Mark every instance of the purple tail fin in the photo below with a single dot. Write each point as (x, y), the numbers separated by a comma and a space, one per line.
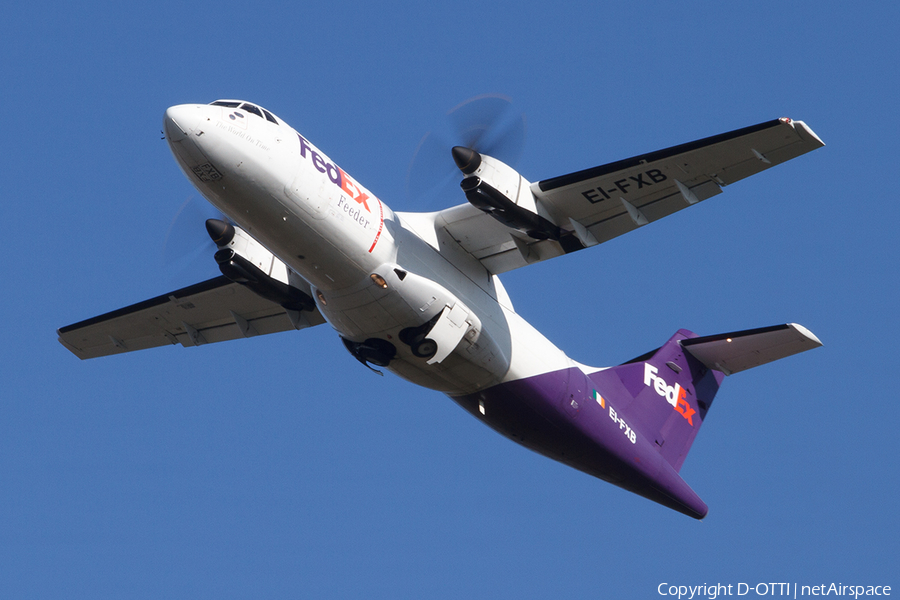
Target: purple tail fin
(667, 393)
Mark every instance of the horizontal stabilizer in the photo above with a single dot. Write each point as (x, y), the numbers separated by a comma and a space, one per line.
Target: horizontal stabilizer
(742, 350)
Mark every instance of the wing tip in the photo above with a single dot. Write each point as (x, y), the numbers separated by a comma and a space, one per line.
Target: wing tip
(809, 335)
(806, 131)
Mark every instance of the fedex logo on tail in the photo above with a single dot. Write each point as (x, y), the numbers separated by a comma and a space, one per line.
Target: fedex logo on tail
(674, 395)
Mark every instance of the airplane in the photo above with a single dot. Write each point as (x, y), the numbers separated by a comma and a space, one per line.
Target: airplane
(418, 294)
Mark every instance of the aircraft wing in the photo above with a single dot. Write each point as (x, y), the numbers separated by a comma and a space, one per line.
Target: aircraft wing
(598, 204)
(212, 311)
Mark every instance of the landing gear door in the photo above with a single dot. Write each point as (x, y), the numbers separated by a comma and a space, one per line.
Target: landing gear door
(450, 328)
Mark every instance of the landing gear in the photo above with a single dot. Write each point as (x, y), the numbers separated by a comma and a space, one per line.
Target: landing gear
(374, 350)
(426, 348)
(414, 337)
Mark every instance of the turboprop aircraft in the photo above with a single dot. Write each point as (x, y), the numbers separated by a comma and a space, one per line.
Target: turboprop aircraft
(418, 294)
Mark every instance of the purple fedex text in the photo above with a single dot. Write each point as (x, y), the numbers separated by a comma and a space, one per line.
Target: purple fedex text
(336, 174)
(333, 171)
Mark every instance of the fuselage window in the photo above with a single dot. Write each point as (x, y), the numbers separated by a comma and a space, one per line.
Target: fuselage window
(251, 109)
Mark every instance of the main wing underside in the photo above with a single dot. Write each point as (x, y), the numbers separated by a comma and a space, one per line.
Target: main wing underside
(598, 204)
(212, 311)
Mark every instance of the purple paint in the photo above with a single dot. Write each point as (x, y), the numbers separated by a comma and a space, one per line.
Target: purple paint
(630, 425)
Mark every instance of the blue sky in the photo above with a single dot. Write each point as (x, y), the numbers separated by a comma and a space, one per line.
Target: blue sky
(279, 467)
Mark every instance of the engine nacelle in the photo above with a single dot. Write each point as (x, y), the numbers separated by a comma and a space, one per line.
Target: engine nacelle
(497, 189)
(244, 260)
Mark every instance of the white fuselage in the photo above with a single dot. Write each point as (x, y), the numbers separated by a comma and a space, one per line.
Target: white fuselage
(373, 272)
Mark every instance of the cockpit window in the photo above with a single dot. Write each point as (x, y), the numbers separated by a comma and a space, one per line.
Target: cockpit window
(269, 116)
(251, 109)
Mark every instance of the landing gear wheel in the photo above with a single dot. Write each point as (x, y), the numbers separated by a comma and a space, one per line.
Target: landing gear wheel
(411, 336)
(425, 348)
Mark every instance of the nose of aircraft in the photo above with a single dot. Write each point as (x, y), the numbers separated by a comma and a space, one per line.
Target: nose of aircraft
(181, 121)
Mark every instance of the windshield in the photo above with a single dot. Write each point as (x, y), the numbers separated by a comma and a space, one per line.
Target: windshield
(246, 106)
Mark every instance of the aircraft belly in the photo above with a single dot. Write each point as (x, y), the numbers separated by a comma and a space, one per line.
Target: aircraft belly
(558, 414)
(369, 310)
(455, 375)
(371, 319)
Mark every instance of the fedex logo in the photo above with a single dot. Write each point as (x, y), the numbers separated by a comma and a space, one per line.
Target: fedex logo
(337, 175)
(674, 395)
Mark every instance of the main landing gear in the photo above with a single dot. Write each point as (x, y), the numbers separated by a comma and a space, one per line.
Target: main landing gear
(415, 338)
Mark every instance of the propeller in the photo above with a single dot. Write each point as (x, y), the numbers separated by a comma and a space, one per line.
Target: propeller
(488, 124)
(187, 246)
